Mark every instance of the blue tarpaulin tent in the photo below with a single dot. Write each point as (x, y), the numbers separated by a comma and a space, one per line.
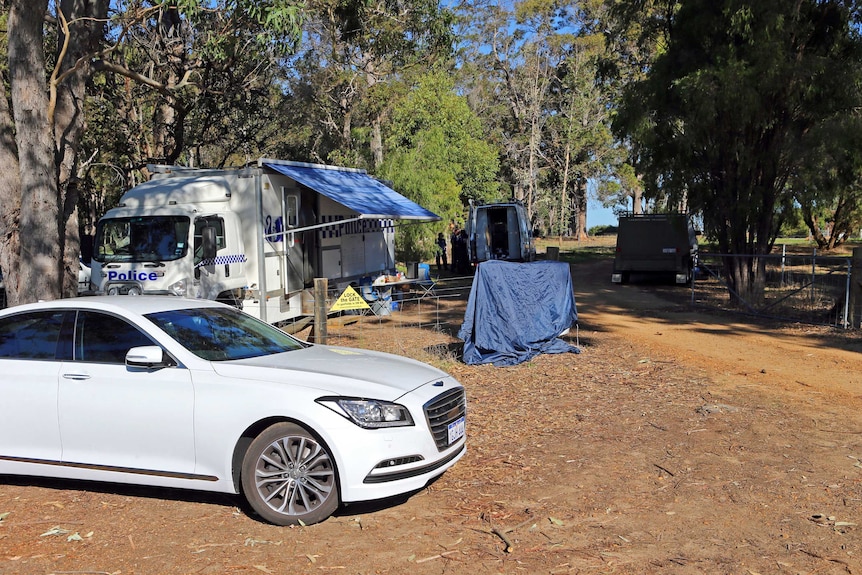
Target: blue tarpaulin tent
(517, 311)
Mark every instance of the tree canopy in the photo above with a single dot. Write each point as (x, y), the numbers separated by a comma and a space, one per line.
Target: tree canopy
(730, 108)
(745, 113)
(437, 156)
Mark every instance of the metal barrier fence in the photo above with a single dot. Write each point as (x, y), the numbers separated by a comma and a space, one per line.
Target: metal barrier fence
(803, 288)
(438, 309)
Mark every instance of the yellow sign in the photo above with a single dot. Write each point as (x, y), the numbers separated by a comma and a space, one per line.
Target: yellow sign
(350, 299)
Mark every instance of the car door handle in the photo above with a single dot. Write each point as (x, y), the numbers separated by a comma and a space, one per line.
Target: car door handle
(76, 376)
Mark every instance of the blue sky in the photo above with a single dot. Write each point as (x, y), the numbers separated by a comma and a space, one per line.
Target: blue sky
(599, 216)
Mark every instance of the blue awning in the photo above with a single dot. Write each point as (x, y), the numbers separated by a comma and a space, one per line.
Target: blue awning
(355, 190)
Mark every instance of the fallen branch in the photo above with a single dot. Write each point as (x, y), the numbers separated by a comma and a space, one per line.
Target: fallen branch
(502, 536)
(501, 533)
(433, 557)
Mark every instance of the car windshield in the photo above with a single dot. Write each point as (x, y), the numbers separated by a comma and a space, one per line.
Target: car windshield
(221, 334)
(142, 239)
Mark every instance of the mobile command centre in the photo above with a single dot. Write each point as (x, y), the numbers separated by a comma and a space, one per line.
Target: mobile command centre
(254, 237)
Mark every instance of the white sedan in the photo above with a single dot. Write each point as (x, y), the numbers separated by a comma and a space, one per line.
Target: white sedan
(194, 394)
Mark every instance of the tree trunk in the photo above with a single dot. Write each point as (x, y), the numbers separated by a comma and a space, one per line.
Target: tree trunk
(39, 198)
(10, 201)
(41, 257)
(518, 192)
(746, 280)
(69, 122)
(637, 201)
(376, 142)
(564, 192)
(581, 200)
(346, 124)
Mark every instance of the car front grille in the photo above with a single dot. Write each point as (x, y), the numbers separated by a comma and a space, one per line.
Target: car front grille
(443, 410)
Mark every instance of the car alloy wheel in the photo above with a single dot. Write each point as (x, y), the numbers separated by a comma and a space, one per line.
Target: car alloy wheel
(288, 476)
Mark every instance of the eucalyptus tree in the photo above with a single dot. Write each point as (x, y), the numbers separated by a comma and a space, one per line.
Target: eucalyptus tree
(827, 187)
(529, 69)
(354, 64)
(182, 51)
(42, 121)
(624, 192)
(635, 33)
(728, 109)
(436, 155)
(513, 51)
(197, 77)
(579, 145)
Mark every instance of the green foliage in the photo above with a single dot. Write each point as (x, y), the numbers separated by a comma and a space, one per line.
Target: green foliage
(603, 230)
(827, 185)
(621, 192)
(436, 157)
(793, 226)
(729, 106)
(529, 70)
(355, 63)
(193, 82)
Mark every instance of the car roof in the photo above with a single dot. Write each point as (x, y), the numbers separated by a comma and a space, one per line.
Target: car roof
(121, 304)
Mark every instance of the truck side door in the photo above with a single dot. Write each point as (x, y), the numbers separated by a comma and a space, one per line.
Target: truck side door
(222, 270)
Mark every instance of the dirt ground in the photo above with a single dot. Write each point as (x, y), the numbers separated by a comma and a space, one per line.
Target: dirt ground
(677, 442)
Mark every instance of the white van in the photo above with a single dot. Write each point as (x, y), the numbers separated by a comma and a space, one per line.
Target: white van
(500, 231)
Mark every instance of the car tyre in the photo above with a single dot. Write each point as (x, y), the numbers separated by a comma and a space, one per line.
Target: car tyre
(289, 476)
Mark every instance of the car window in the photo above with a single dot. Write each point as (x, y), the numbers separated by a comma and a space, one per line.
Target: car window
(103, 338)
(31, 335)
(218, 334)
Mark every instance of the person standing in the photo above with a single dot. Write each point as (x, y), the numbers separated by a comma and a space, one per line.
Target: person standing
(453, 241)
(441, 253)
(460, 253)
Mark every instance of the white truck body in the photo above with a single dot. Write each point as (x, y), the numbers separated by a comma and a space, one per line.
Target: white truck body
(255, 237)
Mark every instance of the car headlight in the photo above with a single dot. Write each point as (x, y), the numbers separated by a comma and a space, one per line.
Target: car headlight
(369, 413)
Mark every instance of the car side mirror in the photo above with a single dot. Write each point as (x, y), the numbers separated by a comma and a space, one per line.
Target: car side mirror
(148, 356)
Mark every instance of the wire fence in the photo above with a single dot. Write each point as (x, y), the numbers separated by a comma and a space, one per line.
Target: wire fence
(798, 287)
(439, 309)
(806, 288)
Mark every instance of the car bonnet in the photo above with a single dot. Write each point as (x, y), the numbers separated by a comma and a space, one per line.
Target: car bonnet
(336, 369)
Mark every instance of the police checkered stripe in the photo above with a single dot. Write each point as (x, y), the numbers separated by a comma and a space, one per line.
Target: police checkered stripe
(223, 260)
(333, 231)
(338, 229)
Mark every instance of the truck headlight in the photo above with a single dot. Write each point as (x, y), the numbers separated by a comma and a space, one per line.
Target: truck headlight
(179, 288)
(369, 413)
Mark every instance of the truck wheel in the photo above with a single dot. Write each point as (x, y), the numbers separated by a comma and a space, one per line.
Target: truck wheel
(288, 476)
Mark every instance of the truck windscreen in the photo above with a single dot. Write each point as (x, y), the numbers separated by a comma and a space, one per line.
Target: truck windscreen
(141, 239)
